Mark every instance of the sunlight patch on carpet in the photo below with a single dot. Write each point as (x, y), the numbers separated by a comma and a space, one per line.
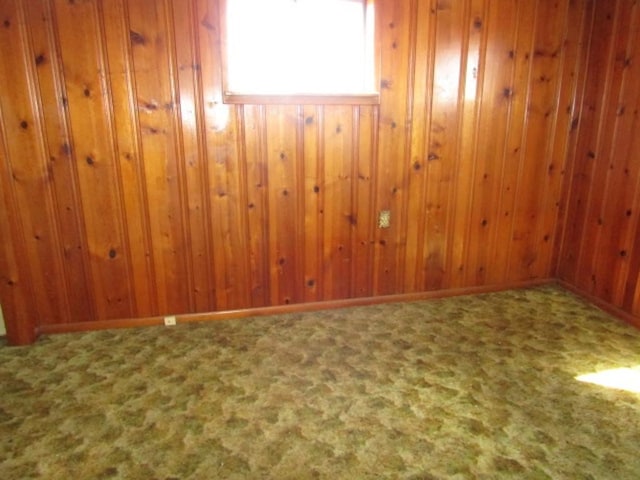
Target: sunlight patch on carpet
(621, 378)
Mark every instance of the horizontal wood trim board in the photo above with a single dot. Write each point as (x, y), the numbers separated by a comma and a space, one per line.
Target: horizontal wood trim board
(283, 309)
(301, 99)
(602, 304)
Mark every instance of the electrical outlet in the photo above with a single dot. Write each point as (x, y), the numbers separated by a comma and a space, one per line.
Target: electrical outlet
(170, 320)
(384, 219)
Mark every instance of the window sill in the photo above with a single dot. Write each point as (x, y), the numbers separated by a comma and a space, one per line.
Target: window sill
(302, 99)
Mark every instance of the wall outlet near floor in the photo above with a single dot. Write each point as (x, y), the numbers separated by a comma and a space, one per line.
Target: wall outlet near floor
(170, 320)
(384, 219)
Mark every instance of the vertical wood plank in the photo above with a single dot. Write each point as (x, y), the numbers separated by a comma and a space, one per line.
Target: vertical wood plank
(465, 142)
(629, 293)
(622, 251)
(314, 194)
(422, 39)
(27, 167)
(605, 164)
(497, 63)
(395, 24)
(339, 217)
(228, 198)
(189, 91)
(93, 154)
(255, 146)
(443, 152)
(19, 310)
(160, 152)
(571, 93)
(129, 157)
(596, 87)
(364, 175)
(64, 185)
(284, 234)
(522, 49)
(559, 114)
(16, 288)
(617, 264)
(529, 253)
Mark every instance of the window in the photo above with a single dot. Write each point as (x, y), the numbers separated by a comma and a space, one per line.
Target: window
(299, 51)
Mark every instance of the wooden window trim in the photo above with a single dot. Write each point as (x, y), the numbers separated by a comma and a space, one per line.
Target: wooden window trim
(300, 99)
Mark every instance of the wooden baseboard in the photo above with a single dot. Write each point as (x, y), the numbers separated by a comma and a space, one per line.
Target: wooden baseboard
(281, 309)
(602, 304)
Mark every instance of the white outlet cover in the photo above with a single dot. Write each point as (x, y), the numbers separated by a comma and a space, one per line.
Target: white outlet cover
(384, 219)
(170, 320)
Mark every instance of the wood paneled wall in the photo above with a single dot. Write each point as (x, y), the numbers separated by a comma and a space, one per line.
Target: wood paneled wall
(130, 190)
(600, 251)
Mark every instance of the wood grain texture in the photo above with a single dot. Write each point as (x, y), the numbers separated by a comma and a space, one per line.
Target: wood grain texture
(599, 252)
(130, 189)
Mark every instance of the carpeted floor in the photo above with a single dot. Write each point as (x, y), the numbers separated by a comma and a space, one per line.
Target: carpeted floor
(466, 387)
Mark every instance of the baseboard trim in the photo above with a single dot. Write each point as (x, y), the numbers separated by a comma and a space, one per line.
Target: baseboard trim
(282, 309)
(602, 304)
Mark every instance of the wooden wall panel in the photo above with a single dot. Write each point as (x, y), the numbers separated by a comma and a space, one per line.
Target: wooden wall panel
(338, 214)
(189, 111)
(587, 121)
(15, 273)
(466, 138)
(27, 168)
(313, 154)
(284, 182)
(610, 115)
(495, 96)
(129, 157)
(150, 196)
(163, 159)
(518, 95)
(365, 173)
(570, 93)
(64, 182)
(599, 253)
(422, 65)
(531, 241)
(92, 153)
(395, 25)
(451, 47)
(255, 154)
(227, 193)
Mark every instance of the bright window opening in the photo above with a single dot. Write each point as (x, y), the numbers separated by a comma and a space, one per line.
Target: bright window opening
(299, 48)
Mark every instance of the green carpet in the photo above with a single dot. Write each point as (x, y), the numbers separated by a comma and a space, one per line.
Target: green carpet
(468, 387)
